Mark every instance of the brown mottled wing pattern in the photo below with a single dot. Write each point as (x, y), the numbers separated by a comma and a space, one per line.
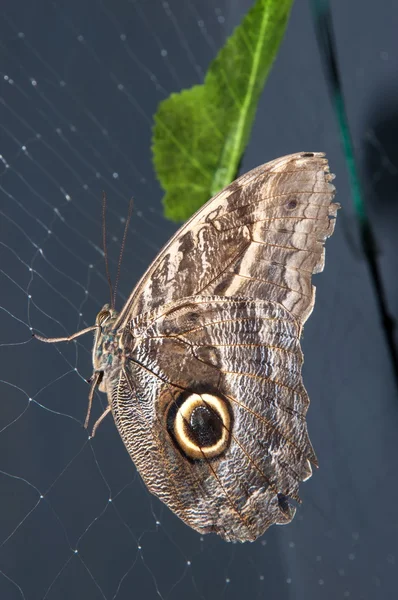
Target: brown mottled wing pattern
(248, 352)
(261, 237)
(209, 399)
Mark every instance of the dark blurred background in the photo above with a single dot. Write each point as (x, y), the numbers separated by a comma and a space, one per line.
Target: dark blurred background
(80, 84)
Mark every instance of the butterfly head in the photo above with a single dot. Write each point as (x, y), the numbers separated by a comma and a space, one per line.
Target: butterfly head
(106, 315)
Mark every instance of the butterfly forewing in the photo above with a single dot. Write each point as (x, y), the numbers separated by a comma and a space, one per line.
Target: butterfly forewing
(261, 237)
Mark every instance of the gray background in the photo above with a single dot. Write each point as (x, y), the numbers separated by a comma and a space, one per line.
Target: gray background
(83, 134)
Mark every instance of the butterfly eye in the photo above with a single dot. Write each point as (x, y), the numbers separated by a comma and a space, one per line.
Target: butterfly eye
(201, 425)
(102, 316)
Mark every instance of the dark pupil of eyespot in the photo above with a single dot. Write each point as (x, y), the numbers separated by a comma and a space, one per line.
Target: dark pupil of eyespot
(205, 426)
(283, 503)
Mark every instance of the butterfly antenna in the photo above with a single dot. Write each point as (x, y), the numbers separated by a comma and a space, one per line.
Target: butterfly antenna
(105, 248)
(119, 264)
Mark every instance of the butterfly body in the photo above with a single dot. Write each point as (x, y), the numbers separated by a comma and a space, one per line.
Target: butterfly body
(202, 367)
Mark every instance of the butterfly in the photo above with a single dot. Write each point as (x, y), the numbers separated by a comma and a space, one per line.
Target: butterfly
(202, 367)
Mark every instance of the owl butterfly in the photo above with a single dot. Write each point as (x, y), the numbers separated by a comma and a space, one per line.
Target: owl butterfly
(202, 367)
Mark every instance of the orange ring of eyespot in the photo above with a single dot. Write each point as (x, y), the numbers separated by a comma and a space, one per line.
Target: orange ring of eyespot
(181, 424)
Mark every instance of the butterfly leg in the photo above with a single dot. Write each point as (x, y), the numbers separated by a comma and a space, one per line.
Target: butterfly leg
(68, 338)
(95, 381)
(99, 421)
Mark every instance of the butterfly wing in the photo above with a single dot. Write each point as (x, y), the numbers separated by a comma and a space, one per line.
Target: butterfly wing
(209, 400)
(211, 406)
(261, 237)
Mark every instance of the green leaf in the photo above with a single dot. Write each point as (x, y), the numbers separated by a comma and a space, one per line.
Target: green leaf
(200, 134)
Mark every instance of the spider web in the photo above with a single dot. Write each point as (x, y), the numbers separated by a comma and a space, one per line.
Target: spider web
(80, 83)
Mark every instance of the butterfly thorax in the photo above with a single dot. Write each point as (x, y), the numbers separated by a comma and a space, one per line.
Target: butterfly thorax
(107, 349)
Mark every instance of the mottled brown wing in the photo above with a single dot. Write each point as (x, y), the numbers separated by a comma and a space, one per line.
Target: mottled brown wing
(261, 237)
(246, 354)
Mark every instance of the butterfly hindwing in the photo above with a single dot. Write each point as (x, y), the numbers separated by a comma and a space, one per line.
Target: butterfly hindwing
(246, 354)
